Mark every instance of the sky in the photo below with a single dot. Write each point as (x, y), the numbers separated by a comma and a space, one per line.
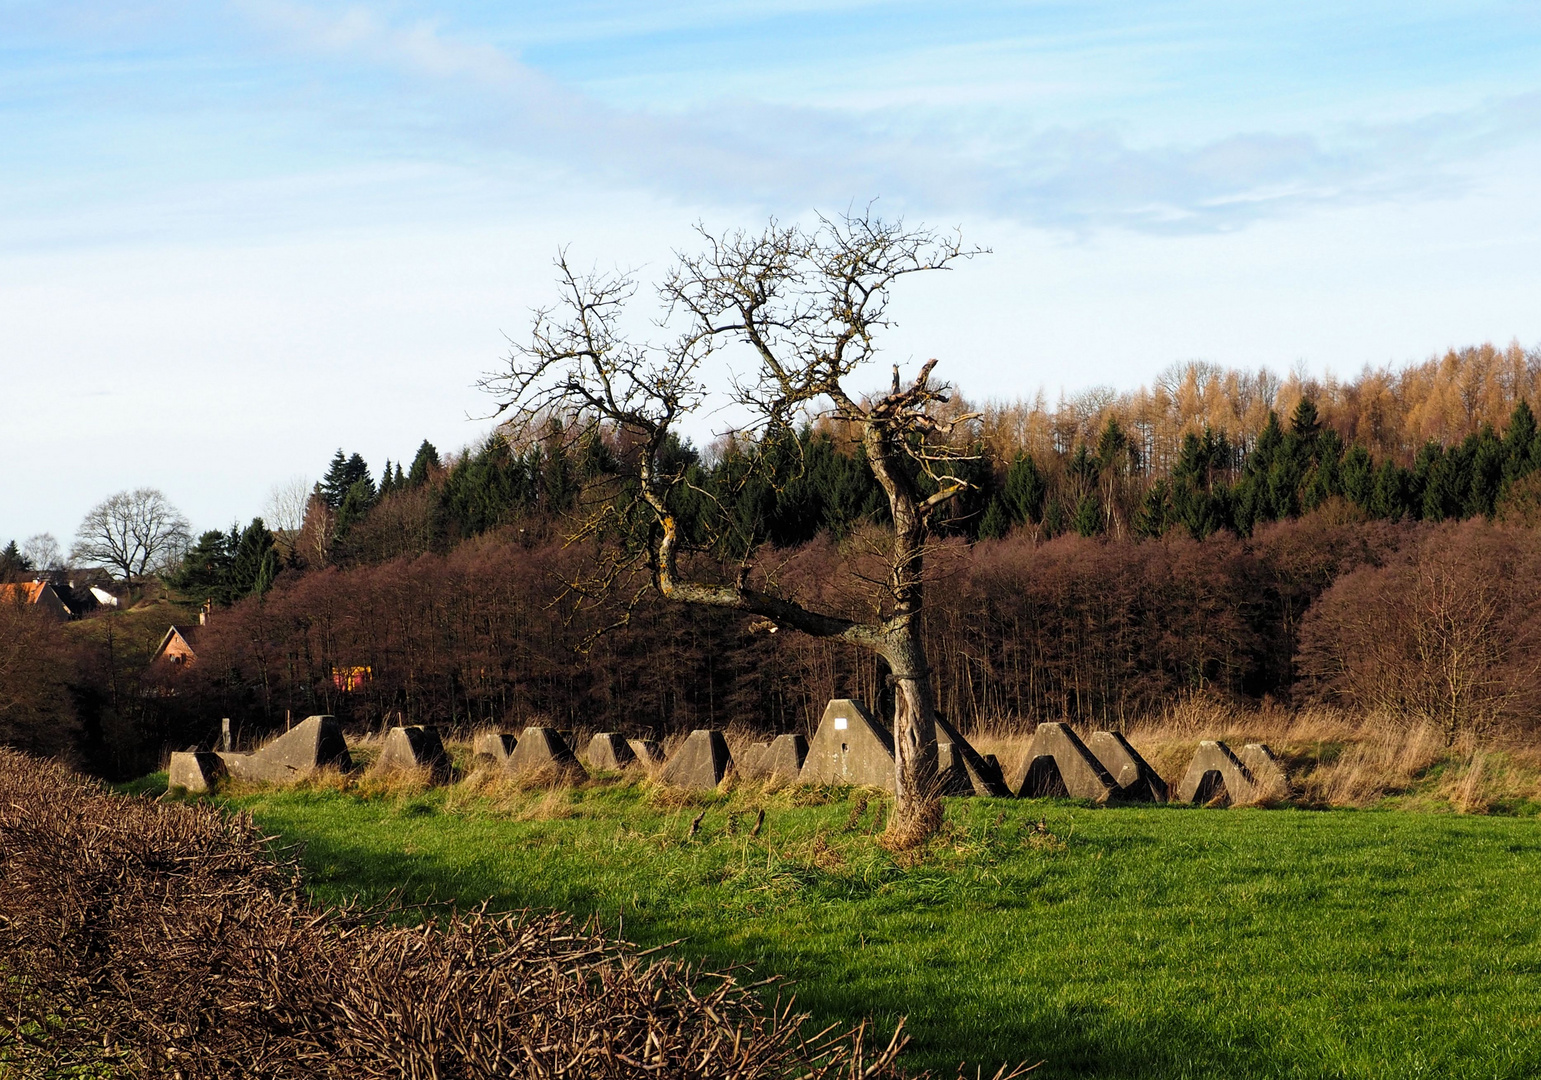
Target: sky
(235, 237)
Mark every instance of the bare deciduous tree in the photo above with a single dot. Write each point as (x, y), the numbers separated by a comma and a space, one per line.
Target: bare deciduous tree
(807, 305)
(131, 533)
(285, 511)
(43, 552)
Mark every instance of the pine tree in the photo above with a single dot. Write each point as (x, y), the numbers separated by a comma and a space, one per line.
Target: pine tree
(1024, 491)
(1519, 441)
(424, 464)
(254, 561)
(1088, 515)
(334, 485)
(996, 522)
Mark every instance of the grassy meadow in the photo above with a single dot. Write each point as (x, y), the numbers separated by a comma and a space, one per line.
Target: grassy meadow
(1123, 942)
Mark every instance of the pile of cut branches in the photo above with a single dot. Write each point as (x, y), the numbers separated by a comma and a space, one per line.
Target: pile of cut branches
(145, 938)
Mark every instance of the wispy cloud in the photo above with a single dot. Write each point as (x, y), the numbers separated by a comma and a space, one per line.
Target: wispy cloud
(1076, 178)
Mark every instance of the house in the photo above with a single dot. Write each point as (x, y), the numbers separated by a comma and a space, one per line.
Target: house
(176, 648)
(38, 593)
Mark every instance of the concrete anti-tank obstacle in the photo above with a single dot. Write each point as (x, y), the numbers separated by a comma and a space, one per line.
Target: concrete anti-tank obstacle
(1136, 780)
(961, 768)
(748, 760)
(1269, 779)
(415, 747)
(849, 748)
(648, 752)
(700, 763)
(1059, 764)
(194, 771)
(1216, 773)
(312, 744)
(496, 745)
(608, 752)
(542, 753)
(783, 758)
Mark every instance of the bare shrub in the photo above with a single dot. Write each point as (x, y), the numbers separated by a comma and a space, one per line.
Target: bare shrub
(1446, 636)
(166, 939)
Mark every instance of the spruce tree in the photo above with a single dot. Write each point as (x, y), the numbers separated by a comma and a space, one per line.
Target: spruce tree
(205, 572)
(1088, 515)
(334, 485)
(254, 561)
(424, 464)
(996, 522)
(1519, 441)
(1024, 490)
(1356, 476)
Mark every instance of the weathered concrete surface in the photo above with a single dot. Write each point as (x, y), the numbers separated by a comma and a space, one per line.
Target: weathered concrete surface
(849, 748)
(496, 745)
(648, 752)
(700, 763)
(961, 768)
(610, 753)
(542, 754)
(748, 759)
(194, 771)
(1058, 763)
(783, 758)
(1136, 780)
(1268, 776)
(313, 743)
(415, 747)
(1216, 773)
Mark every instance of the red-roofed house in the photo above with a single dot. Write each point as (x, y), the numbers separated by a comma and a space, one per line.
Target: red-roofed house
(38, 593)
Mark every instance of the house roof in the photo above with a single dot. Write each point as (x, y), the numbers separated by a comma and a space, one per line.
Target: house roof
(184, 634)
(35, 592)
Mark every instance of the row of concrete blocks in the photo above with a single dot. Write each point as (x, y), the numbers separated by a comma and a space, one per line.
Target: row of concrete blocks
(850, 747)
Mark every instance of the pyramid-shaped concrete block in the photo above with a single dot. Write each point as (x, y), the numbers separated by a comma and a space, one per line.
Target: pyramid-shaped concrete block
(1268, 776)
(1058, 764)
(1216, 773)
(410, 748)
(783, 758)
(648, 752)
(543, 755)
(700, 763)
(849, 748)
(314, 743)
(1136, 780)
(194, 772)
(608, 752)
(495, 745)
(746, 762)
(962, 770)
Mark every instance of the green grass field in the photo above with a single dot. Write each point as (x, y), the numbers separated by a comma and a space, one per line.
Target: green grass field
(1159, 942)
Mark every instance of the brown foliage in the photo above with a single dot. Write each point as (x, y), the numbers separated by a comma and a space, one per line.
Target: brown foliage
(37, 712)
(1446, 634)
(166, 939)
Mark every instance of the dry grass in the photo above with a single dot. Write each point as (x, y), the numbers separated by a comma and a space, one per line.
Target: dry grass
(1332, 757)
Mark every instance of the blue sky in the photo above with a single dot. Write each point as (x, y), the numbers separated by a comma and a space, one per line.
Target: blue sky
(236, 236)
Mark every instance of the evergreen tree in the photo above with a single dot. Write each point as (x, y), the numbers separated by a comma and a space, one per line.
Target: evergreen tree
(355, 504)
(334, 485)
(996, 522)
(425, 463)
(1088, 515)
(253, 561)
(1356, 476)
(1519, 441)
(1024, 490)
(1388, 498)
(13, 564)
(205, 572)
(1486, 454)
(1155, 512)
(387, 480)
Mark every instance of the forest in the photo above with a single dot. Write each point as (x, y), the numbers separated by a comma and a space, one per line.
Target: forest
(1368, 544)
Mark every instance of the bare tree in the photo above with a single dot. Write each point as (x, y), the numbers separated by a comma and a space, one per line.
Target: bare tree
(43, 552)
(131, 533)
(285, 511)
(807, 303)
